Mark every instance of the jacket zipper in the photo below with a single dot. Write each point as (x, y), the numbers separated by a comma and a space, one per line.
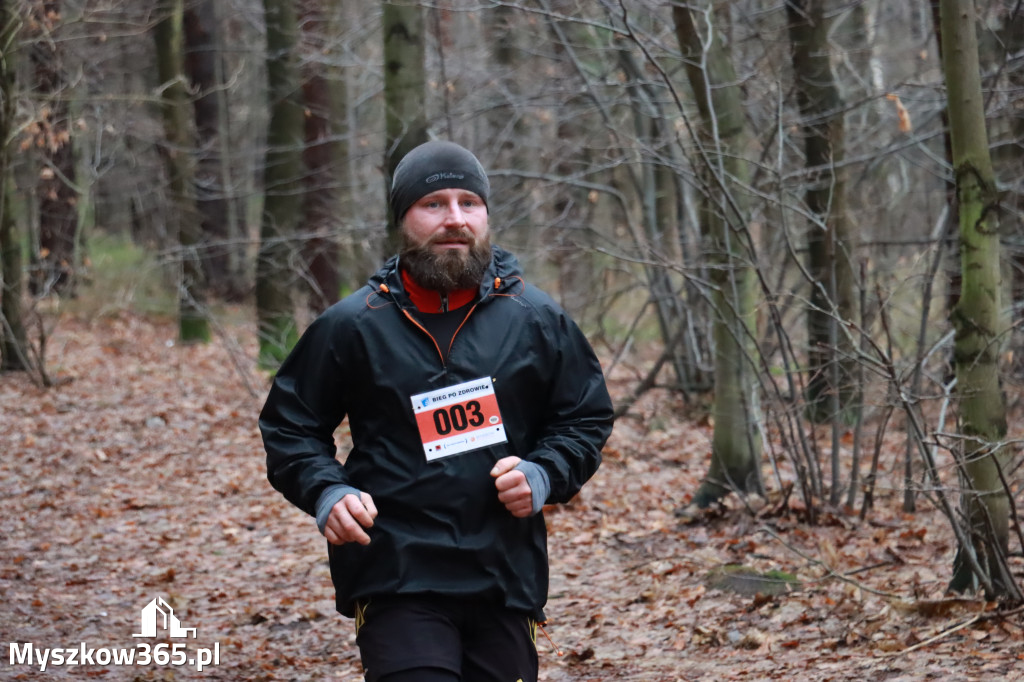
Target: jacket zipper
(444, 308)
(429, 335)
(444, 358)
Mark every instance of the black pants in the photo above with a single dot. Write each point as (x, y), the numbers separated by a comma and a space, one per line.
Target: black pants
(444, 638)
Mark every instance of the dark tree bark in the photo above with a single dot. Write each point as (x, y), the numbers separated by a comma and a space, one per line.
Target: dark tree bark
(1001, 42)
(405, 89)
(983, 455)
(204, 69)
(736, 443)
(13, 340)
(282, 182)
(193, 322)
(831, 361)
(953, 273)
(325, 157)
(54, 263)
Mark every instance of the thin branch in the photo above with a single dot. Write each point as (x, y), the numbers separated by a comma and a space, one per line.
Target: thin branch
(931, 640)
(843, 577)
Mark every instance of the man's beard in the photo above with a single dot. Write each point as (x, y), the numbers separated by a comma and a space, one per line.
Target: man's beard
(448, 270)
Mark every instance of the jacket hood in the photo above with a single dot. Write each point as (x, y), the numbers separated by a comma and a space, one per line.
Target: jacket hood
(502, 274)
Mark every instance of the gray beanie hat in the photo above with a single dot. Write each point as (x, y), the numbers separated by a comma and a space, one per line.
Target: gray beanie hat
(433, 166)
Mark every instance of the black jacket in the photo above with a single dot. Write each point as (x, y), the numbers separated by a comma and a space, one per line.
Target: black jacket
(440, 527)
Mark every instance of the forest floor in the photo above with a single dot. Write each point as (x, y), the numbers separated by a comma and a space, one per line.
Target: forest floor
(140, 474)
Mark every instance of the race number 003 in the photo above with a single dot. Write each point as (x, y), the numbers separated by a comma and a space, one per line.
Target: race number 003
(458, 417)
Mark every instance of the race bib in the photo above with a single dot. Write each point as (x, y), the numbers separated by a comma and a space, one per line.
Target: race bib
(458, 418)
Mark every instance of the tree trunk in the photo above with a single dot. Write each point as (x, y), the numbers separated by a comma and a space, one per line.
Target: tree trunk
(325, 157)
(405, 89)
(736, 443)
(282, 182)
(571, 249)
(831, 361)
(655, 184)
(953, 272)
(193, 325)
(205, 74)
(13, 340)
(506, 123)
(982, 455)
(1001, 41)
(54, 264)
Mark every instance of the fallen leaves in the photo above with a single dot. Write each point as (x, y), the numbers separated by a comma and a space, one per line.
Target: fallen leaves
(143, 475)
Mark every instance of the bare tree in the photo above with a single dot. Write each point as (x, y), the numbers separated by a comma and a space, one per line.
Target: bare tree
(54, 263)
(13, 339)
(830, 386)
(405, 83)
(193, 323)
(982, 556)
(276, 263)
(654, 184)
(736, 444)
(1001, 44)
(325, 155)
(205, 71)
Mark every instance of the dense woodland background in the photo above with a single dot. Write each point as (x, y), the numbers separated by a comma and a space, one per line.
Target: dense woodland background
(768, 216)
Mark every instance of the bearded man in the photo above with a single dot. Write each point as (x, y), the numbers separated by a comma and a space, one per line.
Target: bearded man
(473, 400)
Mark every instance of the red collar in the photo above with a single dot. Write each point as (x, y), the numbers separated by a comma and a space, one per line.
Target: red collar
(429, 301)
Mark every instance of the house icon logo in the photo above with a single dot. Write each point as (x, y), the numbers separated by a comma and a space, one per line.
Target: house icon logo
(159, 614)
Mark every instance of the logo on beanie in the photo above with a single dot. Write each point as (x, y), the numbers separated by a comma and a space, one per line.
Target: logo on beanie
(444, 175)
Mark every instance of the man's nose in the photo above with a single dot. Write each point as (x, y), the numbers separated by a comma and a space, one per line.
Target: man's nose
(454, 216)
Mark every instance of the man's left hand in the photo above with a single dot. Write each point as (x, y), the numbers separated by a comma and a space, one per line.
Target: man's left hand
(513, 490)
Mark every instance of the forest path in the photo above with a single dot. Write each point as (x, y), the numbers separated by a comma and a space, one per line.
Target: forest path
(141, 475)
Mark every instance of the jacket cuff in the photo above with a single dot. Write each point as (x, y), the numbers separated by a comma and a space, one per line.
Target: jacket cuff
(537, 479)
(328, 498)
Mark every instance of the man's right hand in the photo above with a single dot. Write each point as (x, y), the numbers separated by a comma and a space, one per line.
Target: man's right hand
(348, 518)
